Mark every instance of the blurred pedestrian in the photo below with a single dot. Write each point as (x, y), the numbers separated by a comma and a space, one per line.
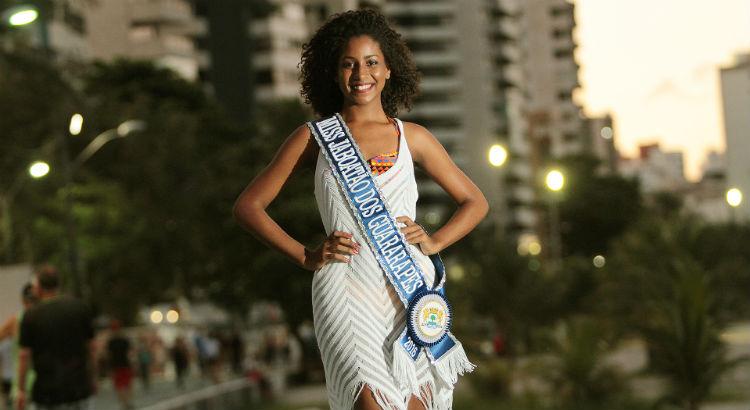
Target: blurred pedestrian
(57, 336)
(144, 357)
(9, 332)
(6, 365)
(236, 352)
(181, 360)
(212, 348)
(119, 350)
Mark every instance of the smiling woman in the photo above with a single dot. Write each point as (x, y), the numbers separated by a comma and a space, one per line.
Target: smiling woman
(381, 319)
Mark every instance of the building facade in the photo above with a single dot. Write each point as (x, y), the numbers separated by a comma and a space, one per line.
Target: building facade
(735, 93)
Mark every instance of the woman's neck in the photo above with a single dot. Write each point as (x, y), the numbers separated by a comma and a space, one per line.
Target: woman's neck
(358, 113)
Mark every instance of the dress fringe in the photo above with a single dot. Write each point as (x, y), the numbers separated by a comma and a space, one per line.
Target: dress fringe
(453, 364)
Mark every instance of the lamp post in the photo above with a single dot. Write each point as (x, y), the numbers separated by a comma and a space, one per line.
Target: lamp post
(554, 181)
(69, 169)
(497, 156)
(734, 199)
(36, 170)
(25, 14)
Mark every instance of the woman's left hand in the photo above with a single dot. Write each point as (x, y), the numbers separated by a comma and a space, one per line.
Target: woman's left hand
(416, 235)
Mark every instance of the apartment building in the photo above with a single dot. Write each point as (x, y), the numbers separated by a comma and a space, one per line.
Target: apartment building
(735, 93)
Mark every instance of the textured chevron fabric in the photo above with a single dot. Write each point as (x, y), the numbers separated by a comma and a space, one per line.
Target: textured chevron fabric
(357, 314)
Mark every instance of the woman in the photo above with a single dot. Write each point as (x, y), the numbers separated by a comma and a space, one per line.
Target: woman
(356, 65)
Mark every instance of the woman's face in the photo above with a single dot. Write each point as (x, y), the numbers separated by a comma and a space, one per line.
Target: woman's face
(362, 71)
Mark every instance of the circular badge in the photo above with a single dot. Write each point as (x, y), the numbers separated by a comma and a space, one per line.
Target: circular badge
(429, 318)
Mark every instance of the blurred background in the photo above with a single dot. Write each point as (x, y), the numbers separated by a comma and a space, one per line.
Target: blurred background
(610, 137)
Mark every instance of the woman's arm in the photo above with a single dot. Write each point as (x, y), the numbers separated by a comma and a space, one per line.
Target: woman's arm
(250, 208)
(472, 205)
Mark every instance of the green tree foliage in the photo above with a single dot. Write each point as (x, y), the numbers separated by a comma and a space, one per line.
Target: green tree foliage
(595, 208)
(152, 210)
(509, 289)
(660, 289)
(580, 377)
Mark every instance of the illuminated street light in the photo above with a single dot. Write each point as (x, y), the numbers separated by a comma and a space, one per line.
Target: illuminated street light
(607, 133)
(38, 169)
(156, 317)
(734, 197)
(555, 180)
(173, 316)
(76, 124)
(599, 261)
(497, 155)
(20, 15)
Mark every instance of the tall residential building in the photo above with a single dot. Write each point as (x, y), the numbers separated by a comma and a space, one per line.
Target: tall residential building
(735, 92)
(552, 76)
(162, 31)
(250, 50)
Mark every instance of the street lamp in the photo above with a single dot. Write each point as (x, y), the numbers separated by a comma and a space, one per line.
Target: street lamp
(734, 199)
(76, 123)
(39, 169)
(20, 15)
(555, 181)
(36, 170)
(497, 155)
(24, 15)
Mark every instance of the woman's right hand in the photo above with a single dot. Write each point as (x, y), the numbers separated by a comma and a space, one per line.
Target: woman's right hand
(336, 248)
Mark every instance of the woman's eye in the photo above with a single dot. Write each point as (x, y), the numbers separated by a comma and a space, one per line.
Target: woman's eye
(372, 63)
(347, 64)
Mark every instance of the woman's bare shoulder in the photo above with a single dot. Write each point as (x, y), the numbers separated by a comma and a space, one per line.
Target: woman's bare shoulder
(420, 139)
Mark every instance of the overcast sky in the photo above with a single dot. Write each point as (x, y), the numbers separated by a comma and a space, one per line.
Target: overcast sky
(654, 64)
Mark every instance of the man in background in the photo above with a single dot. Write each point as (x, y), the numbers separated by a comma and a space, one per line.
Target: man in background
(9, 342)
(57, 336)
(119, 351)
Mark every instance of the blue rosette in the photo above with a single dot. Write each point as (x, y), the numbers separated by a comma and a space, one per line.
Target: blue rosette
(428, 318)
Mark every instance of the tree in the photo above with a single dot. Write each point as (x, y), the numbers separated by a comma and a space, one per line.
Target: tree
(658, 289)
(596, 209)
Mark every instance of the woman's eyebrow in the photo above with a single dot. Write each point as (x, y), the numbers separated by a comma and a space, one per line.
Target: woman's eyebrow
(354, 58)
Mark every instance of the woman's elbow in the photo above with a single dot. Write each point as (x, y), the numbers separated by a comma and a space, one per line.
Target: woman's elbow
(483, 207)
(244, 211)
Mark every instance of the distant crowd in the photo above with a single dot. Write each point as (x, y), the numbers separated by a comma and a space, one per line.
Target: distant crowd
(52, 357)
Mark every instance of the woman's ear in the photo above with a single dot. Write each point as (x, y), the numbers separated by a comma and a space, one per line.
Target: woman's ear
(388, 74)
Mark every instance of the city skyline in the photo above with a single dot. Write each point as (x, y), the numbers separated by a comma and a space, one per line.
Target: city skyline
(654, 64)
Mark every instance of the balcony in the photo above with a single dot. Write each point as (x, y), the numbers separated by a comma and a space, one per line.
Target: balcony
(160, 11)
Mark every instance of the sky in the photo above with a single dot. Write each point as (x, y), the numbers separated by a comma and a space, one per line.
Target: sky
(654, 65)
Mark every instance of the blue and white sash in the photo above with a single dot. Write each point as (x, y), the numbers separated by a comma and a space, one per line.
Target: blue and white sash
(428, 312)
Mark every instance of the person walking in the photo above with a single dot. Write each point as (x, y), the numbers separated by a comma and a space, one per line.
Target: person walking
(9, 336)
(181, 360)
(143, 354)
(377, 264)
(119, 351)
(57, 336)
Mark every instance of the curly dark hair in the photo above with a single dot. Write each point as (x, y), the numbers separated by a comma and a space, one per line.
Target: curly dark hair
(319, 63)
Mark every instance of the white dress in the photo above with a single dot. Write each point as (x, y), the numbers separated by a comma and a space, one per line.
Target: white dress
(357, 313)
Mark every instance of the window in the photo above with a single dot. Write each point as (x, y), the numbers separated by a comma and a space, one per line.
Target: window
(418, 46)
(264, 77)
(438, 71)
(142, 33)
(563, 53)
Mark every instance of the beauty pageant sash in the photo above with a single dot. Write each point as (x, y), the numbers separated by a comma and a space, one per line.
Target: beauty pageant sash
(428, 311)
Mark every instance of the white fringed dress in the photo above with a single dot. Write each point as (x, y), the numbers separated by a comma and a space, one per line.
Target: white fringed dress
(358, 315)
